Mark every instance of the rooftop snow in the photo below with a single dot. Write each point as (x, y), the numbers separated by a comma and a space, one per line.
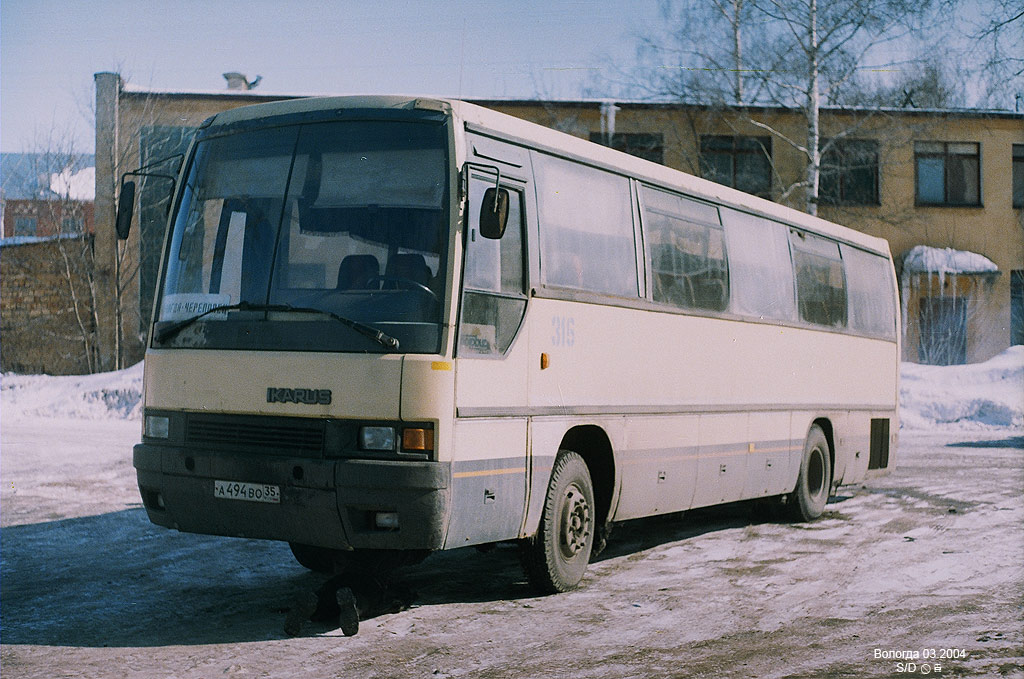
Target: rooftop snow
(924, 259)
(28, 240)
(80, 185)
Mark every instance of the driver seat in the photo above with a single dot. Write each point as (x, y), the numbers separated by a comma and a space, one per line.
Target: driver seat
(358, 272)
(410, 266)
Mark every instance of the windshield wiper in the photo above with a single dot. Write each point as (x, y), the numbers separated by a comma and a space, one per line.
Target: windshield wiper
(168, 331)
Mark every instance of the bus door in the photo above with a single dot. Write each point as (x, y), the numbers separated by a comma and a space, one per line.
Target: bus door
(490, 465)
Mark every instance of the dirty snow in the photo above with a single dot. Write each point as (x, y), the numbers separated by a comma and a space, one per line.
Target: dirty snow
(924, 259)
(927, 557)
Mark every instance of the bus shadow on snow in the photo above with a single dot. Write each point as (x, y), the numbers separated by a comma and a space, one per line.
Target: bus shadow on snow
(116, 580)
(467, 576)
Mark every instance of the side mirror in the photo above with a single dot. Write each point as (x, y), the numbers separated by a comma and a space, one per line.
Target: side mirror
(494, 213)
(125, 207)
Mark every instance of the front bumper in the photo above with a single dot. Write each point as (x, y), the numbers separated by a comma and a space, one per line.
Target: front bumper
(326, 503)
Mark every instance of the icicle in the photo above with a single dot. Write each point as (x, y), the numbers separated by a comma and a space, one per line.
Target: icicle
(904, 304)
(608, 109)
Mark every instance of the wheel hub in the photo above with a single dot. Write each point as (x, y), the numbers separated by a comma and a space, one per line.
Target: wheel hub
(575, 522)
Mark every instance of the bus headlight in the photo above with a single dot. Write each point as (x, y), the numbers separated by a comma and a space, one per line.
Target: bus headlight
(157, 427)
(377, 438)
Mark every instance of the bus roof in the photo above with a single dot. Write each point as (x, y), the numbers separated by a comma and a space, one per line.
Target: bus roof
(530, 134)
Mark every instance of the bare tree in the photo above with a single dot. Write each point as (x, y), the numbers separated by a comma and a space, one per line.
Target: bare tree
(796, 54)
(59, 169)
(999, 40)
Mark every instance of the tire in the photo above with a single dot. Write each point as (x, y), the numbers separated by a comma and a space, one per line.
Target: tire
(557, 556)
(813, 486)
(316, 559)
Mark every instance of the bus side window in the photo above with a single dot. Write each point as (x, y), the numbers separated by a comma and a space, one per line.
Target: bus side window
(686, 251)
(761, 274)
(820, 281)
(587, 240)
(493, 300)
(870, 282)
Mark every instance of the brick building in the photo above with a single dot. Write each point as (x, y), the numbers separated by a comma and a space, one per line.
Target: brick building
(47, 315)
(47, 322)
(41, 218)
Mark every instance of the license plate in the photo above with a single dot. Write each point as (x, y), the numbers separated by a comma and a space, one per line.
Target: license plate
(250, 492)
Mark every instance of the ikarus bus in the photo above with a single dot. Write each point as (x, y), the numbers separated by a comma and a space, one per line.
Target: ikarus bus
(387, 326)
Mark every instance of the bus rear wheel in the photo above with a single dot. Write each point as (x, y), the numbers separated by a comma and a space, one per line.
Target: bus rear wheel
(807, 501)
(557, 556)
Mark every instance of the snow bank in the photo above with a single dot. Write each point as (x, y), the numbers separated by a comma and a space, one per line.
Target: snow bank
(981, 396)
(923, 259)
(115, 395)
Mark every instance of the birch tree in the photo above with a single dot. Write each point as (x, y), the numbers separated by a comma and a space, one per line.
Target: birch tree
(797, 54)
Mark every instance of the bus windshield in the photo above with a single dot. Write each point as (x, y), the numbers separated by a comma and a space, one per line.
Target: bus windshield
(292, 228)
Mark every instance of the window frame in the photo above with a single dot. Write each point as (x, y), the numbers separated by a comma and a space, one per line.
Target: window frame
(649, 146)
(840, 150)
(24, 223)
(709, 222)
(763, 150)
(552, 237)
(808, 250)
(467, 290)
(945, 156)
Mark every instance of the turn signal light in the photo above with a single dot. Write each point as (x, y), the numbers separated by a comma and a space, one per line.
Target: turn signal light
(417, 439)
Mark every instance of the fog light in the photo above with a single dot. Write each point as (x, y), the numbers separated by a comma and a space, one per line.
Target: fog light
(157, 427)
(386, 520)
(377, 438)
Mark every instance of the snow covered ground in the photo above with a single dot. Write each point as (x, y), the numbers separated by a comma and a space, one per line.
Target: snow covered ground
(927, 558)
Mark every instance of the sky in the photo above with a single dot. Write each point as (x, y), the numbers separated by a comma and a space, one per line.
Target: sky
(50, 49)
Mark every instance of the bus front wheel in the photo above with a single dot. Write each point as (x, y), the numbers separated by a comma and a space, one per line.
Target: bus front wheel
(557, 556)
(807, 501)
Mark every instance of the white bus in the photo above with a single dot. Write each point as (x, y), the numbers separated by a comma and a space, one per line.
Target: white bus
(387, 326)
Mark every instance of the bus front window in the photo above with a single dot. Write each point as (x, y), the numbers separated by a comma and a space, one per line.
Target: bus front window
(344, 219)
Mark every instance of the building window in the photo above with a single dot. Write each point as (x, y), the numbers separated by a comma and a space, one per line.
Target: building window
(1018, 175)
(849, 172)
(947, 173)
(744, 163)
(640, 144)
(72, 225)
(25, 226)
(943, 327)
